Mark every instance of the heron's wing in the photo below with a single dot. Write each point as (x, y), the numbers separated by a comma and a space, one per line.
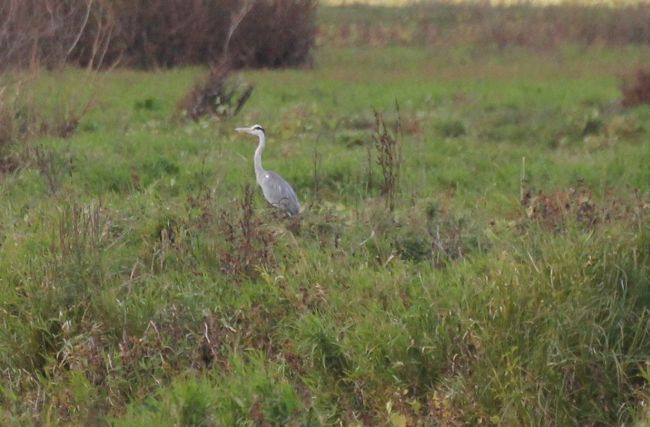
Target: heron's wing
(279, 193)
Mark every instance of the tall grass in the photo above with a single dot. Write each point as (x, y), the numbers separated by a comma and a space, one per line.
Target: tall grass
(150, 288)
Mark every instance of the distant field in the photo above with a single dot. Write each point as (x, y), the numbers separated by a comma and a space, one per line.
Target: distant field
(509, 286)
(478, 25)
(398, 3)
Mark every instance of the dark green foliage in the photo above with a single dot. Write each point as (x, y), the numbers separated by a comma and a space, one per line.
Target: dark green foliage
(150, 104)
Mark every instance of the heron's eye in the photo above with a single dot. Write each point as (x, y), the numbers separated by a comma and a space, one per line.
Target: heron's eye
(258, 127)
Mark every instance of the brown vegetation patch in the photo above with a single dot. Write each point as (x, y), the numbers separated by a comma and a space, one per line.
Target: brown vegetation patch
(553, 210)
(154, 33)
(481, 24)
(636, 89)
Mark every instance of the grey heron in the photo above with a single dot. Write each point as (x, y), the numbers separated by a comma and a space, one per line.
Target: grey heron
(276, 190)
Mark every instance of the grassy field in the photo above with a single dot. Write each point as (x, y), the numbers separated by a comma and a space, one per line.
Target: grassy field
(509, 286)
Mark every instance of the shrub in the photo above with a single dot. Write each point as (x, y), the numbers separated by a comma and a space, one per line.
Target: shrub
(276, 33)
(216, 94)
(155, 33)
(34, 31)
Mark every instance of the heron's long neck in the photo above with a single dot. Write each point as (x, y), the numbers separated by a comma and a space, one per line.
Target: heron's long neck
(259, 170)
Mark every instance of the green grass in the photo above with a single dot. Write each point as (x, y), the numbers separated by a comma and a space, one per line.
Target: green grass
(120, 303)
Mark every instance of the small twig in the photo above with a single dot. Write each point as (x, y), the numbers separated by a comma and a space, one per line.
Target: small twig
(205, 332)
(372, 234)
(390, 258)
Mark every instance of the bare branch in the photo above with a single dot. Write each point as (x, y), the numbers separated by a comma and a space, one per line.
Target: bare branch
(81, 30)
(235, 20)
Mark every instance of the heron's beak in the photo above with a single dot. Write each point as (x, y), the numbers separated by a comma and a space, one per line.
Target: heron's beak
(246, 130)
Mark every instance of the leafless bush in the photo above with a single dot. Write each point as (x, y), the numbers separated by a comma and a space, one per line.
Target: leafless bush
(276, 33)
(636, 90)
(53, 32)
(389, 155)
(154, 33)
(217, 94)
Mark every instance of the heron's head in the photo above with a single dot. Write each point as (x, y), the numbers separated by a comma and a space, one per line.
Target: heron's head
(253, 130)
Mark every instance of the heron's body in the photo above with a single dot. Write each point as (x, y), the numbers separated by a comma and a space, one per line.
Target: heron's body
(276, 190)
